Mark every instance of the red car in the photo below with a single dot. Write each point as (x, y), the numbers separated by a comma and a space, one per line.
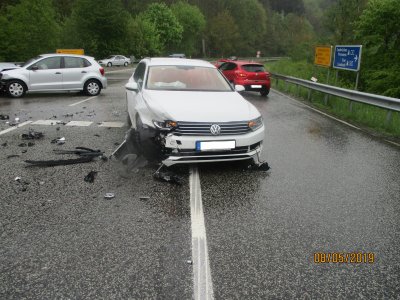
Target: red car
(251, 75)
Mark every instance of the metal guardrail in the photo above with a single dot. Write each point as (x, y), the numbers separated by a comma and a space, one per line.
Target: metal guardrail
(392, 104)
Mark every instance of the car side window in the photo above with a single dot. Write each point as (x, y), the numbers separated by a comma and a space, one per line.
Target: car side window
(75, 62)
(230, 66)
(223, 66)
(138, 76)
(48, 63)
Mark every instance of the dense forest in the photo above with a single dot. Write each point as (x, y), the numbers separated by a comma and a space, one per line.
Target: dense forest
(227, 27)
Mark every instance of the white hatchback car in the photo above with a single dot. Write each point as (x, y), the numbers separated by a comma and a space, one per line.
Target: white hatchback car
(192, 113)
(115, 60)
(55, 72)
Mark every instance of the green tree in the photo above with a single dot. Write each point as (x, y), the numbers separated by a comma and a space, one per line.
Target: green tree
(28, 29)
(193, 23)
(251, 20)
(379, 31)
(167, 25)
(223, 34)
(100, 27)
(143, 38)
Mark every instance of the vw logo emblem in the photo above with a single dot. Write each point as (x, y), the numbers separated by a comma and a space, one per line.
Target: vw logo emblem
(215, 129)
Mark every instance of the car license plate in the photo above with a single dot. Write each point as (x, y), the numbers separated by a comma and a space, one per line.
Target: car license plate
(215, 145)
(256, 86)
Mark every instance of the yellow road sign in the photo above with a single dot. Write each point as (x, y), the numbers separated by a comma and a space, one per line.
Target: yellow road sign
(323, 56)
(71, 51)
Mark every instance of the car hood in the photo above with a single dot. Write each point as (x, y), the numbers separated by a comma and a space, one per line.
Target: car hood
(199, 106)
(8, 68)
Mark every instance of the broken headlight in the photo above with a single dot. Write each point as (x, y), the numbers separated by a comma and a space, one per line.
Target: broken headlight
(255, 124)
(165, 125)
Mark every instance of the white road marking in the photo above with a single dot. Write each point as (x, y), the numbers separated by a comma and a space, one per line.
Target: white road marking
(79, 102)
(120, 71)
(15, 127)
(112, 124)
(316, 110)
(79, 123)
(203, 288)
(45, 122)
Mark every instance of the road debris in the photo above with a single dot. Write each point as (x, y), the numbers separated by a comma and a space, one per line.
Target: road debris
(58, 128)
(68, 115)
(90, 176)
(4, 144)
(61, 123)
(168, 176)
(32, 135)
(4, 117)
(109, 196)
(30, 144)
(17, 178)
(22, 145)
(260, 167)
(144, 198)
(58, 141)
(24, 151)
(13, 155)
(189, 262)
(86, 155)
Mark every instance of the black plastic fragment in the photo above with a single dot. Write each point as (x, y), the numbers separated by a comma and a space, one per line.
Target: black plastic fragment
(4, 117)
(90, 176)
(261, 167)
(32, 135)
(59, 162)
(168, 176)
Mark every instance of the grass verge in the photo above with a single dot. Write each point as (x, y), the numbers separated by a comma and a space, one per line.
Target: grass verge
(371, 118)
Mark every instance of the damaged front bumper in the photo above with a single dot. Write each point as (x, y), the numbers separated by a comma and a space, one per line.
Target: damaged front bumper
(184, 149)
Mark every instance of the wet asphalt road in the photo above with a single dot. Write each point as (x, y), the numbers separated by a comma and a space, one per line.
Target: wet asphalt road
(331, 189)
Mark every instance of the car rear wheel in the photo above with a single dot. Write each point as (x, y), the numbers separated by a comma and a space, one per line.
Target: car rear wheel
(264, 92)
(92, 87)
(125, 64)
(16, 89)
(109, 64)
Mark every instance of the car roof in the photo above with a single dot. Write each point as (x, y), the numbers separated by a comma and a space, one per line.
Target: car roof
(169, 61)
(244, 62)
(64, 54)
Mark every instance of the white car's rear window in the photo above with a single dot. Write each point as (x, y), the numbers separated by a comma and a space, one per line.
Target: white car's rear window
(186, 78)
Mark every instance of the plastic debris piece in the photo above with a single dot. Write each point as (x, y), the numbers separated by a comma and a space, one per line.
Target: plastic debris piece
(17, 178)
(4, 117)
(90, 176)
(168, 176)
(30, 144)
(144, 198)
(314, 79)
(24, 151)
(109, 195)
(12, 156)
(16, 120)
(189, 262)
(261, 167)
(98, 135)
(61, 141)
(68, 115)
(22, 145)
(41, 182)
(4, 144)
(58, 162)
(32, 135)
(61, 123)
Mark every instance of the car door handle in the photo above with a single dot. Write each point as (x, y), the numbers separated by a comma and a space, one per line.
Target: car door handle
(58, 73)
(83, 72)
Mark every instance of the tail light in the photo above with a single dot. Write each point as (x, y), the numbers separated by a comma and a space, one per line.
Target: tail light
(101, 71)
(240, 74)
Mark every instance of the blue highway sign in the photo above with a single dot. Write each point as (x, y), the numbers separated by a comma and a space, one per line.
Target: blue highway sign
(347, 57)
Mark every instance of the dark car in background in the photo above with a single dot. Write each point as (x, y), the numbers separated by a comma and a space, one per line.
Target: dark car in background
(251, 75)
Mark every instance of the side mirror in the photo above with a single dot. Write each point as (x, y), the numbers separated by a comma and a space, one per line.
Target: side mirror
(132, 86)
(34, 68)
(239, 88)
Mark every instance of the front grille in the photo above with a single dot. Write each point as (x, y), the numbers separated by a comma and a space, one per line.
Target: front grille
(227, 128)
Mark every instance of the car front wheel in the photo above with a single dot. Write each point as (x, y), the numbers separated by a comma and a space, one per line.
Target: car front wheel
(109, 64)
(92, 87)
(125, 64)
(16, 89)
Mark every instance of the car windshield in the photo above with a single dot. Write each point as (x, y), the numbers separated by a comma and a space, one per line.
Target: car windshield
(186, 78)
(253, 68)
(31, 60)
